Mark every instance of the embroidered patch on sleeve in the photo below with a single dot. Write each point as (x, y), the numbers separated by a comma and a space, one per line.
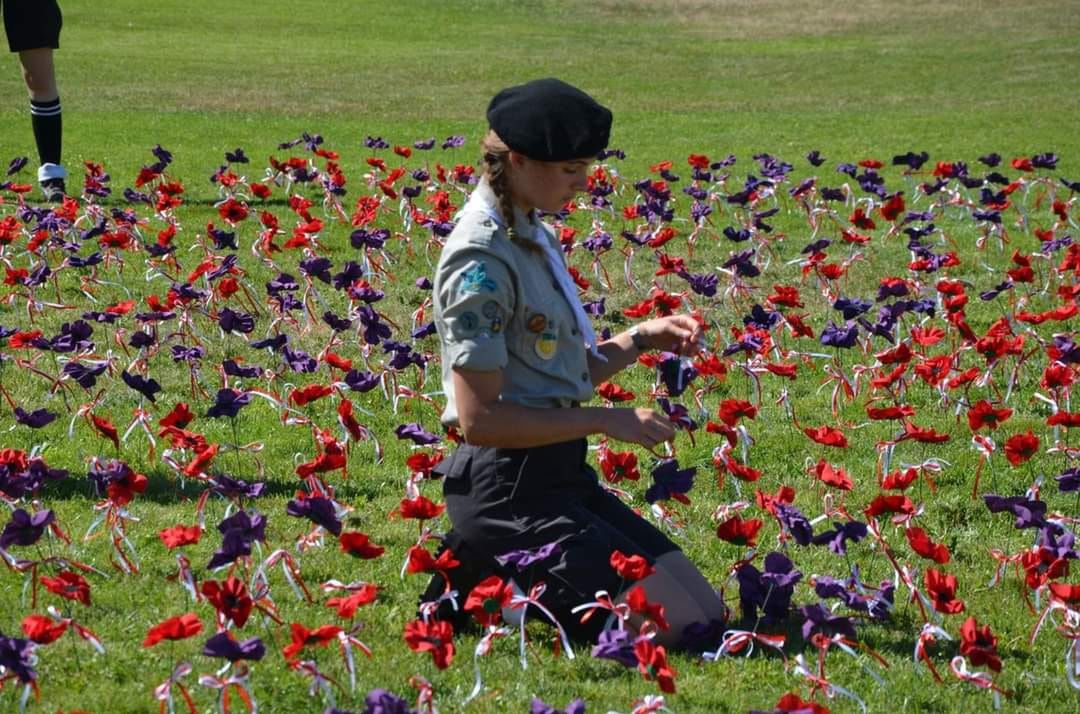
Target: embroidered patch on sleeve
(475, 280)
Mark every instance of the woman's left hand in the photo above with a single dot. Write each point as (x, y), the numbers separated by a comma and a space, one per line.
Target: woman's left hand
(680, 334)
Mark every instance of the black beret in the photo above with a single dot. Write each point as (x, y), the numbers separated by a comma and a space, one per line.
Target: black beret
(549, 120)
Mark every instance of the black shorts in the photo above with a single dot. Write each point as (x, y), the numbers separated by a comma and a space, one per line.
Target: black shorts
(32, 24)
(502, 500)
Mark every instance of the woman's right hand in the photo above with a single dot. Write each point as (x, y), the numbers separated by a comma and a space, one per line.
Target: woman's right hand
(646, 427)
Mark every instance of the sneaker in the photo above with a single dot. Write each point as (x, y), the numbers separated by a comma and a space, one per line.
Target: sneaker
(53, 190)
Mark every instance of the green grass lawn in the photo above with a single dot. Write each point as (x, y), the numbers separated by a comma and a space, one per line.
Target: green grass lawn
(853, 80)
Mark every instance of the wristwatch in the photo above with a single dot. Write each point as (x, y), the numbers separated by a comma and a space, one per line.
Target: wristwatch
(637, 339)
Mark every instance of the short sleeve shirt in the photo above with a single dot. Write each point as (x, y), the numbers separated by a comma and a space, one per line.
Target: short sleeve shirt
(498, 306)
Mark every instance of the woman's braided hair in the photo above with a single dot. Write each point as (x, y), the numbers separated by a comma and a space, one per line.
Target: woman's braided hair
(496, 160)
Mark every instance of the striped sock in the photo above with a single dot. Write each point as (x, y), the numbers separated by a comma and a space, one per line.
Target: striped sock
(47, 122)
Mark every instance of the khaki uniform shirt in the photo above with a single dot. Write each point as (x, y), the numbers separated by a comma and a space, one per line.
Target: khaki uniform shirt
(497, 306)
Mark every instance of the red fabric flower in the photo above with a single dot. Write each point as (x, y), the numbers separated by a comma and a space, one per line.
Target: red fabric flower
(420, 508)
(175, 628)
(613, 392)
(180, 535)
(920, 542)
(639, 603)
(834, 476)
(69, 585)
(731, 410)
(421, 561)
(42, 629)
(736, 530)
(348, 604)
(230, 599)
(487, 600)
(630, 568)
(435, 636)
(983, 416)
(827, 436)
(897, 503)
(618, 465)
(303, 637)
(979, 645)
(941, 588)
(653, 665)
(358, 545)
(308, 394)
(1021, 447)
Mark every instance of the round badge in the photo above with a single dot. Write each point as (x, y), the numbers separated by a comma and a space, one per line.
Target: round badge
(490, 309)
(536, 322)
(468, 321)
(546, 345)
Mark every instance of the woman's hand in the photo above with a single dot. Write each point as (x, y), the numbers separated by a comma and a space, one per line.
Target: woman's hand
(680, 334)
(639, 426)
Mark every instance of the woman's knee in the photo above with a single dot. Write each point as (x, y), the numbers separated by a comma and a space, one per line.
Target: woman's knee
(682, 571)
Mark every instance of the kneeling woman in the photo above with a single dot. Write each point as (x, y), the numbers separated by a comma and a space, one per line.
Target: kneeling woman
(519, 355)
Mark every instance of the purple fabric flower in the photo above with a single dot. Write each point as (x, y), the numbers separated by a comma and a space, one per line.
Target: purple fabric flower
(24, 528)
(768, 591)
(743, 265)
(669, 480)
(224, 646)
(17, 657)
(317, 268)
(819, 621)
(416, 434)
(35, 419)
(837, 538)
(815, 158)
(454, 142)
(737, 235)
(761, 318)
(231, 368)
(675, 372)
(273, 344)
(912, 160)
(230, 487)
(703, 284)
(191, 355)
(521, 559)
(616, 645)
(851, 308)
(299, 361)
(795, 523)
(228, 403)
(1069, 480)
(374, 330)
(350, 273)
(337, 324)
(16, 165)
(238, 533)
(317, 509)
(1029, 514)
(575, 707)
(381, 701)
(361, 381)
(841, 337)
(230, 320)
(144, 386)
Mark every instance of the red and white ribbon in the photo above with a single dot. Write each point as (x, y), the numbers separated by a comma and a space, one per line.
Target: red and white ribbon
(163, 692)
(521, 601)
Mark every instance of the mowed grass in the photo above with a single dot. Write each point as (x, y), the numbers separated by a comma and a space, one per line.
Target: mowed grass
(853, 80)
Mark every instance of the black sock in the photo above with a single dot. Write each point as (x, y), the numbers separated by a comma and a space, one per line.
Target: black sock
(47, 122)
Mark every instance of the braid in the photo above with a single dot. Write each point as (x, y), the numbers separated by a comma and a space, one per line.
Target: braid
(496, 160)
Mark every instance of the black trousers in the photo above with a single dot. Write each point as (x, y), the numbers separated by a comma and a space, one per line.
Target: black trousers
(504, 500)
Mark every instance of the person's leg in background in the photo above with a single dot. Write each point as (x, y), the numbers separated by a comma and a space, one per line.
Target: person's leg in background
(33, 32)
(45, 116)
